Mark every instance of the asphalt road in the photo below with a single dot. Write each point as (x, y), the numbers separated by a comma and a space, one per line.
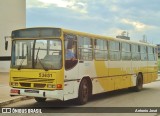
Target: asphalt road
(148, 97)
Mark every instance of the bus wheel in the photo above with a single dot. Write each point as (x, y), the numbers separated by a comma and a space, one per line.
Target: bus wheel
(83, 94)
(39, 99)
(139, 83)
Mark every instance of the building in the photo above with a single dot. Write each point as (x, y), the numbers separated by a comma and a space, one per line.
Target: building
(12, 16)
(158, 46)
(158, 57)
(158, 50)
(124, 35)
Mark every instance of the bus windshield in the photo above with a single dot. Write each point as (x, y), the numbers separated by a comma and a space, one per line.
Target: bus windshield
(37, 54)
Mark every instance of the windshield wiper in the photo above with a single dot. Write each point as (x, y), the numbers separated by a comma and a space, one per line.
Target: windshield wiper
(37, 55)
(45, 68)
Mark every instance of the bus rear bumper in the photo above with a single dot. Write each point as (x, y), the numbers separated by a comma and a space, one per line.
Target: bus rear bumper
(55, 94)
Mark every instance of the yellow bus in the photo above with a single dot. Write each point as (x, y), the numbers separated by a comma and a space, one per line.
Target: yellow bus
(64, 64)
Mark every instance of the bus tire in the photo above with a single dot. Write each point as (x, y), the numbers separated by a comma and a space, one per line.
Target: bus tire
(83, 93)
(139, 83)
(40, 99)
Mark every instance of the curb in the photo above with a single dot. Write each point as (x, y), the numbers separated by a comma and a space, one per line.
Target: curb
(14, 100)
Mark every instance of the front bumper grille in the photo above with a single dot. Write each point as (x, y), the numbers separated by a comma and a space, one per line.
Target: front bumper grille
(25, 84)
(40, 83)
(32, 80)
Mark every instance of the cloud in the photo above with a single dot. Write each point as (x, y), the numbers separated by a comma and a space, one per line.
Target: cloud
(34, 4)
(59, 3)
(75, 5)
(137, 25)
(104, 17)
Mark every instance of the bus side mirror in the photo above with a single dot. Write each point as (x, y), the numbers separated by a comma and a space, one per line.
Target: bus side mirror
(6, 42)
(6, 45)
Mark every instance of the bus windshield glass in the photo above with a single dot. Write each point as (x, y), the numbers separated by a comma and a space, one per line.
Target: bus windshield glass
(37, 54)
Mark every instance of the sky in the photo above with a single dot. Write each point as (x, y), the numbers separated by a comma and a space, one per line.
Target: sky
(103, 17)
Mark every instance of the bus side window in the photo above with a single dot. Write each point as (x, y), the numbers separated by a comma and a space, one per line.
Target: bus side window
(70, 47)
(85, 48)
(70, 51)
(101, 49)
(126, 51)
(151, 54)
(114, 48)
(135, 52)
(143, 53)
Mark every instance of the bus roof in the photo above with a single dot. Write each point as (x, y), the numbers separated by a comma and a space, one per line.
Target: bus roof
(90, 35)
(106, 37)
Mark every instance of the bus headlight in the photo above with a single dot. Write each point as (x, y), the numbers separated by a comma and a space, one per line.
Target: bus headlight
(50, 86)
(14, 83)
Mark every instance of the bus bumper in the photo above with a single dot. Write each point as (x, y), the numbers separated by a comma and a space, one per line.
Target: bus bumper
(55, 94)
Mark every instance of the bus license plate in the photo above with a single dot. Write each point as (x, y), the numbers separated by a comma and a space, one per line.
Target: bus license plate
(31, 91)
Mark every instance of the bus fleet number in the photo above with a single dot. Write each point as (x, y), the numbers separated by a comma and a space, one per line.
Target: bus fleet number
(45, 75)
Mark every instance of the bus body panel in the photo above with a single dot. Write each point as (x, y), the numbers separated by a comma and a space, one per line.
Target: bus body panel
(105, 75)
(38, 79)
